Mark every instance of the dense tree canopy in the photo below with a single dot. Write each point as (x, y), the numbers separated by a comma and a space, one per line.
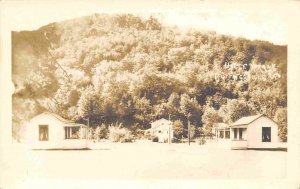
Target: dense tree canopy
(131, 70)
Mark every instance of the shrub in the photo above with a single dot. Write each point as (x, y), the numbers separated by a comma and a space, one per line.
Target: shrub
(147, 135)
(201, 141)
(281, 118)
(90, 133)
(155, 139)
(139, 133)
(100, 132)
(176, 140)
(194, 132)
(118, 134)
(178, 129)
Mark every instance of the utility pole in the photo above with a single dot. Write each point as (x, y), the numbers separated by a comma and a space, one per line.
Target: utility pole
(189, 131)
(170, 129)
(170, 134)
(88, 124)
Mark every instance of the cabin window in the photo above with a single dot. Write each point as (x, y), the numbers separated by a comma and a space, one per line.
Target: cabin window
(240, 133)
(227, 134)
(72, 133)
(43, 133)
(221, 134)
(235, 130)
(266, 134)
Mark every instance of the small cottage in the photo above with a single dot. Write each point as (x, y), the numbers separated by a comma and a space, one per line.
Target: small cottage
(221, 131)
(254, 132)
(162, 129)
(51, 131)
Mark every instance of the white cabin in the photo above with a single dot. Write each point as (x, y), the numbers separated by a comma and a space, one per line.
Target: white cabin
(254, 132)
(51, 131)
(162, 129)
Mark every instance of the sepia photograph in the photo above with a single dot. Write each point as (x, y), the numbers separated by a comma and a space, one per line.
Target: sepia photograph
(194, 92)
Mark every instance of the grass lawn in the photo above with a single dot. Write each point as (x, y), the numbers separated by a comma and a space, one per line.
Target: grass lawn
(147, 160)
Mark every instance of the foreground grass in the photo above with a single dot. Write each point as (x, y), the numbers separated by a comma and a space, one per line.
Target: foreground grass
(147, 160)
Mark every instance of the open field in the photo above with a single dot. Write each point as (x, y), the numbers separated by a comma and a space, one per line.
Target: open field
(146, 160)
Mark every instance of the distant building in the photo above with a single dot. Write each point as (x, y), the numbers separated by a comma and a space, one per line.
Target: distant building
(162, 129)
(51, 131)
(254, 132)
(221, 131)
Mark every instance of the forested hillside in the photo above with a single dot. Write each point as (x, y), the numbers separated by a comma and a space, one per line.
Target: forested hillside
(130, 70)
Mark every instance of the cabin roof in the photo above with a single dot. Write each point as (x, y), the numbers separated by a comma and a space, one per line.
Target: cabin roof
(73, 124)
(246, 120)
(59, 118)
(160, 120)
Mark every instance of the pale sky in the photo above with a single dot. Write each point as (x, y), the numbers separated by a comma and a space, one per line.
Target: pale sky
(263, 20)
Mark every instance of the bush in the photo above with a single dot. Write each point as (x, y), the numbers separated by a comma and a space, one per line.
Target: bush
(118, 134)
(90, 133)
(155, 139)
(147, 135)
(194, 132)
(139, 134)
(178, 129)
(281, 118)
(100, 132)
(176, 140)
(201, 141)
